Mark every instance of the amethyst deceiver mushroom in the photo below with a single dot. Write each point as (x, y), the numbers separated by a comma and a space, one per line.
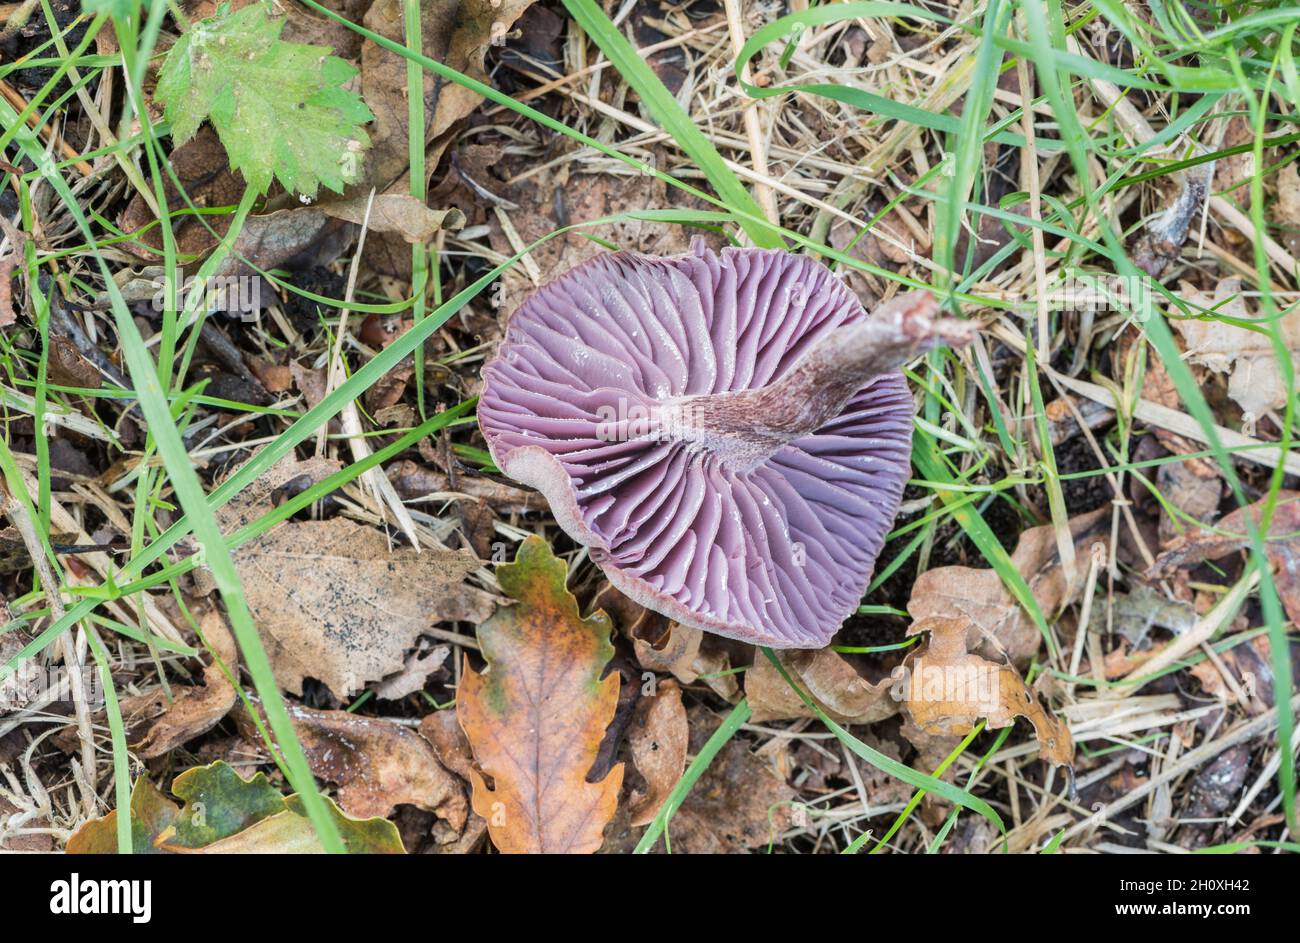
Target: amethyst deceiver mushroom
(729, 434)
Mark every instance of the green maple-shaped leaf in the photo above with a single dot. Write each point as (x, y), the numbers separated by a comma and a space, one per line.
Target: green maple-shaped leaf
(280, 108)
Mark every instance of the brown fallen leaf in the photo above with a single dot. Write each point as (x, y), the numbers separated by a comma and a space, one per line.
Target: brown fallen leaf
(197, 709)
(416, 481)
(948, 690)
(1120, 661)
(8, 263)
(1287, 208)
(456, 33)
(1063, 423)
(398, 213)
(545, 205)
(828, 678)
(1250, 667)
(535, 717)
(1282, 547)
(658, 739)
(202, 167)
(664, 646)
(299, 237)
(414, 674)
(737, 805)
(442, 729)
(1255, 380)
(335, 603)
(332, 600)
(998, 626)
(377, 765)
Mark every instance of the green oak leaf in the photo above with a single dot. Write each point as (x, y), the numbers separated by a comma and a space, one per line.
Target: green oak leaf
(226, 814)
(280, 108)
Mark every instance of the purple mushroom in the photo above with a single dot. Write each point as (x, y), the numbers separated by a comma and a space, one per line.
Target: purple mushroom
(729, 435)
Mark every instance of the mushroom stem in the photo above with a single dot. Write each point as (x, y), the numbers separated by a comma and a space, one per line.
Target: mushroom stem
(748, 426)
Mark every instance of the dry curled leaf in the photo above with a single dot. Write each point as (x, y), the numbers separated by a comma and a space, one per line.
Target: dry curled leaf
(948, 690)
(196, 709)
(398, 213)
(998, 626)
(828, 678)
(456, 33)
(414, 674)
(535, 717)
(738, 804)
(658, 739)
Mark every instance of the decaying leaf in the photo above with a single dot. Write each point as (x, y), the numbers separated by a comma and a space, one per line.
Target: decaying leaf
(828, 678)
(658, 738)
(218, 803)
(224, 813)
(998, 626)
(398, 213)
(442, 729)
(414, 674)
(1162, 241)
(335, 603)
(1287, 210)
(291, 833)
(298, 238)
(196, 709)
(1255, 379)
(665, 646)
(1282, 547)
(455, 33)
(948, 690)
(332, 600)
(738, 804)
(378, 765)
(536, 715)
(416, 481)
(201, 166)
(21, 686)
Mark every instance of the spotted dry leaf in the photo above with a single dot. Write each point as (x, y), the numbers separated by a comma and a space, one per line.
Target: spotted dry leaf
(333, 600)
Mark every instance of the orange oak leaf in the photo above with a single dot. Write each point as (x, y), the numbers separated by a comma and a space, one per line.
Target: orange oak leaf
(536, 715)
